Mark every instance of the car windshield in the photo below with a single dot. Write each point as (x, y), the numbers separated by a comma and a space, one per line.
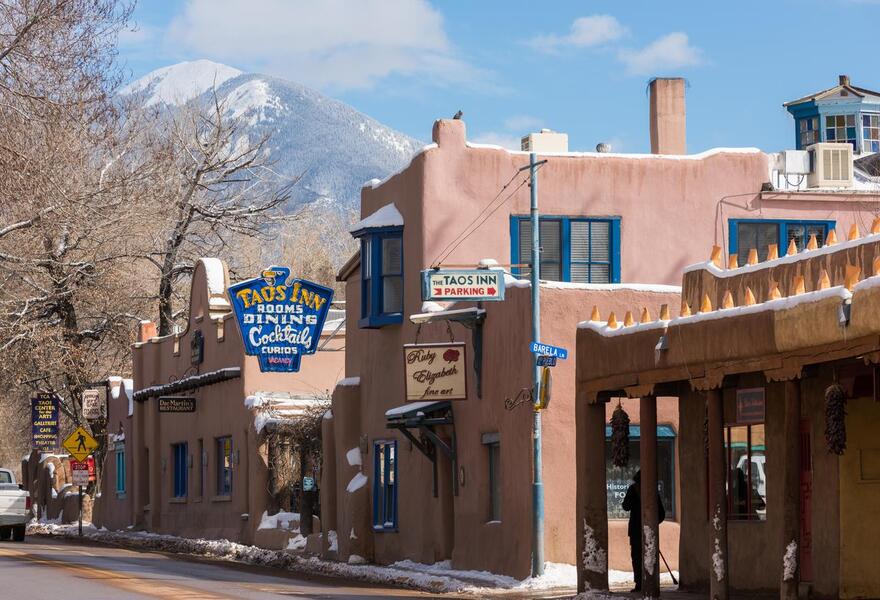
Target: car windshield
(5, 477)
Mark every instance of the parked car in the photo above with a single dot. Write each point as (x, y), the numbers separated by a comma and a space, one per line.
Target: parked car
(15, 507)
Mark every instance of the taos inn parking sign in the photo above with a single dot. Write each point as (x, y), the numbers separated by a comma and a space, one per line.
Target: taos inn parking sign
(280, 320)
(463, 284)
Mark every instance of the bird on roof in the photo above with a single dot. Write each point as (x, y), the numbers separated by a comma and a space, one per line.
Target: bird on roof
(458, 115)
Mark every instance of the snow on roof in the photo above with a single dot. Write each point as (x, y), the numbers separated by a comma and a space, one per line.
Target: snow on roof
(180, 83)
(280, 407)
(349, 381)
(512, 282)
(374, 183)
(409, 407)
(215, 274)
(387, 216)
(782, 260)
(698, 156)
(722, 313)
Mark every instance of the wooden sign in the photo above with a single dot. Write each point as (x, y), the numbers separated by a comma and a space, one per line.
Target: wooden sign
(435, 372)
(177, 404)
(93, 405)
(463, 284)
(750, 406)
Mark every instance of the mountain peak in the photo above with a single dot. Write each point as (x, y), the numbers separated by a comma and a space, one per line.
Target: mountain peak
(180, 83)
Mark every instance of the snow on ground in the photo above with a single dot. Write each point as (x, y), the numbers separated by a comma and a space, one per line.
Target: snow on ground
(436, 578)
(283, 518)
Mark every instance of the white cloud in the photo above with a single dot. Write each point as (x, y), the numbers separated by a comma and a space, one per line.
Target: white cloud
(585, 32)
(327, 44)
(672, 51)
(505, 140)
(522, 123)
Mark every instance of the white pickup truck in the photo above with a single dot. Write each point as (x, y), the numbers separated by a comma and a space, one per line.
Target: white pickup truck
(15, 507)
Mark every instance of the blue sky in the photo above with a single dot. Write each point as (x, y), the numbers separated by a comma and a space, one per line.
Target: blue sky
(513, 66)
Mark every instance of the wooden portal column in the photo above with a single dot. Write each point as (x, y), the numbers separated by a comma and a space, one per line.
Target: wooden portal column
(648, 485)
(592, 496)
(788, 590)
(718, 564)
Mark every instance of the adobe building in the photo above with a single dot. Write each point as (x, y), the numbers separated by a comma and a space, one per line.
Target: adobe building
(453, 480)
(775, 367)
(194, 453)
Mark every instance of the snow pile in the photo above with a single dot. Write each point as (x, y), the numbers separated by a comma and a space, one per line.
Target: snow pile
(297, 544)
(650, 549)
(789, 561)
(282, 520)
(436, 578)
(332, 541)
(387, 216)
(349, 381)
(356, 559)
(593, 556)
(353, 457)
(717, 555)
(356, 483)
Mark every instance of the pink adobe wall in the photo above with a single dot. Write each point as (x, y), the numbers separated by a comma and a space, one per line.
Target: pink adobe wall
(220, 411)
(672, 207)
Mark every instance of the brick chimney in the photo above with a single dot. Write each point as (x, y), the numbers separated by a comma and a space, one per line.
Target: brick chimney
(667, 116)
(146, 331)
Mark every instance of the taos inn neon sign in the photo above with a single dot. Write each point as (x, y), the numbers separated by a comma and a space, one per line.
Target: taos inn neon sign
(280, 320)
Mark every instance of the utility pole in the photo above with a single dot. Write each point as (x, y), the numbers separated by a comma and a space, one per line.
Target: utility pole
(537, 482)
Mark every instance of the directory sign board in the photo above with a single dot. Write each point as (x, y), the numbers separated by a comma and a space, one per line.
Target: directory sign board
(463, 284)
(280, 319)
(44, 422)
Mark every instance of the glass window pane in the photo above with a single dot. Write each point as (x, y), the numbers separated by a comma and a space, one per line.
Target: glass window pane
(738, 486)
(797, 233)
(830, 135)
(600, 273)
(758, 236)
(525, 246)
(829, 121)
(600, 241)
(758, 481)
(841, 121)
(580, 241)
(580, 273)
(850, 120)
(366, 259)
(392, 294)
(392, 249)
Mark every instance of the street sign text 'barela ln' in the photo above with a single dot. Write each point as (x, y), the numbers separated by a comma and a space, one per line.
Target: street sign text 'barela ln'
(463, 284)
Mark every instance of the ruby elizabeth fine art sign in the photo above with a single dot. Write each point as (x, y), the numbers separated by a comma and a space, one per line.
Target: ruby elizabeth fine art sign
(435, 372)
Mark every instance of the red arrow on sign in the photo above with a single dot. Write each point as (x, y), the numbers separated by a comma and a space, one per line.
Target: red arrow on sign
(438, 291)
(490, 291)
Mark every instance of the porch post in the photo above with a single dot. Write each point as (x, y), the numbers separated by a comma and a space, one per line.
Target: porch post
(592, 506)
(648, 488)
(718, 564)
(788, 590)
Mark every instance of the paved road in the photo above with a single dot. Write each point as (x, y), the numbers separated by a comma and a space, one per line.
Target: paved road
(48, 568)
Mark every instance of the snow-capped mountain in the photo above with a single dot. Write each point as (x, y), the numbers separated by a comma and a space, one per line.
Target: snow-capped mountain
(334, 147)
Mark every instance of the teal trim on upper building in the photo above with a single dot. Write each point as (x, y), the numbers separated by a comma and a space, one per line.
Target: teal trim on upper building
(843, 113)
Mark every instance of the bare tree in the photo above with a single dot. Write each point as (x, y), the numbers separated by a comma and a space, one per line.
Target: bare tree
(216, 184)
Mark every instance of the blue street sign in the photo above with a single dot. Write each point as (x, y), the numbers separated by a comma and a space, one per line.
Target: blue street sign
(280, 320)
(546, 361)
(548, 350)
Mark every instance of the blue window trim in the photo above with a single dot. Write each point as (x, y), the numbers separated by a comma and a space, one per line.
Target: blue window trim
(120, 471)
(380, 519)
(180, 469)
(733, 230)
(222, 488)
(375, 318)
(566, 220)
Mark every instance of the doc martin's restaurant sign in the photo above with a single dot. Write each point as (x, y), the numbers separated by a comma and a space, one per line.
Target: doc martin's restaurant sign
(435, 372)
(280, 319)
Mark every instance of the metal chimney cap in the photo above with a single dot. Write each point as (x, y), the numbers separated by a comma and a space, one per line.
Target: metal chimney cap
(603, 147)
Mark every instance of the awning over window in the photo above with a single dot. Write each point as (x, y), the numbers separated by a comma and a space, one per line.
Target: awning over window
(418, 412)
(663, 431)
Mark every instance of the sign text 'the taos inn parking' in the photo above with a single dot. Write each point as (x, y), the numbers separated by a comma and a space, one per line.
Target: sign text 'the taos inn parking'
(435, 372)
(463, 284)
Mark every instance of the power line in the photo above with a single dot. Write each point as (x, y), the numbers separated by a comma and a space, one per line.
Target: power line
(501, 191)
(461, 237)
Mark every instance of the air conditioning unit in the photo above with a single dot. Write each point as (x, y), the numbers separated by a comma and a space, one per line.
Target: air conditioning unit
(545, 141)
(831, 165)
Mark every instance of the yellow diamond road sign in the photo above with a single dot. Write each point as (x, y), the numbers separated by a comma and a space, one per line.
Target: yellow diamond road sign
(80, 444)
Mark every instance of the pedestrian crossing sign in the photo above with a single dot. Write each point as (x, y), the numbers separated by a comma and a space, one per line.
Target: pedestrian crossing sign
(80, 444)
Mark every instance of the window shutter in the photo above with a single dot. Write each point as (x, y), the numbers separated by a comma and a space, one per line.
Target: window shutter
(525, 246)
(392, 249)
(600, 242)
(551, 250)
